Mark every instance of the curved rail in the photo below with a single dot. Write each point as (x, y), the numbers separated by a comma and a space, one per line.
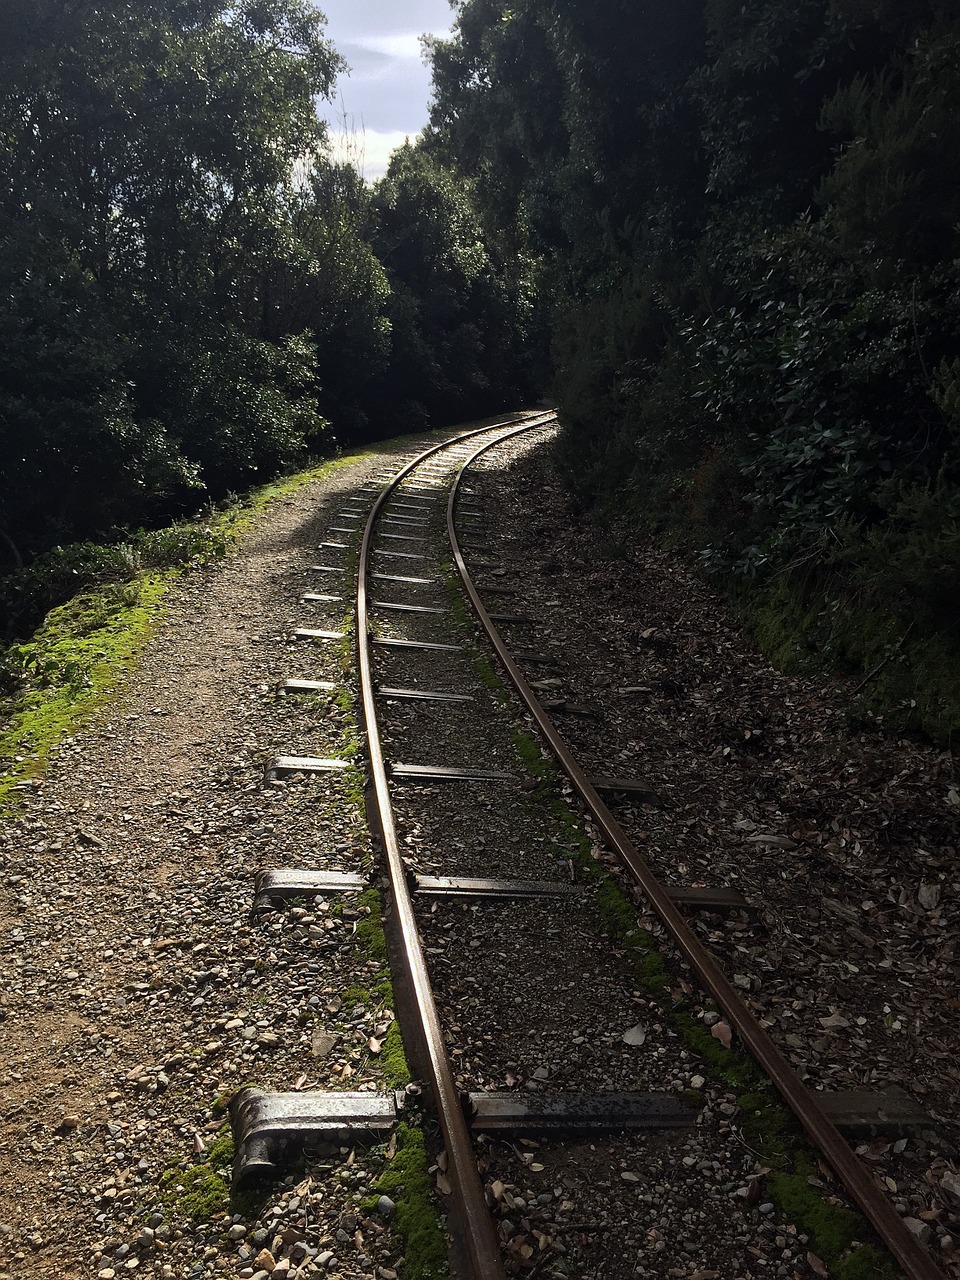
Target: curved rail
(479, 1233)
(904, 1246)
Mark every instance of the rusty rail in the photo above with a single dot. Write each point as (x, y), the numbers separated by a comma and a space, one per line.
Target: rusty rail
(913, 1258)
(478, 1232)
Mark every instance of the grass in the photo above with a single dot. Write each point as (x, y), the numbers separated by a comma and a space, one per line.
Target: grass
(79, 658)
(73, 666)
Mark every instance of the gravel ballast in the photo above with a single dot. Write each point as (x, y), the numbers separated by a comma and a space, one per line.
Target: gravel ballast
(138, 990)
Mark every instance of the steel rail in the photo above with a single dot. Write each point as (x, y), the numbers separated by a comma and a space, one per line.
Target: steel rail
(903, 1245)
(476, 1223)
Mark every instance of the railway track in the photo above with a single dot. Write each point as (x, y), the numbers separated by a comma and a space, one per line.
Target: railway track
(419, 687)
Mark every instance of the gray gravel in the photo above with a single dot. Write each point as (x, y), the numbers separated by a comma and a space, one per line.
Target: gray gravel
(137, 990)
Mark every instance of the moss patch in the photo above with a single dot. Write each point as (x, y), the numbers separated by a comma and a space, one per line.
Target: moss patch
(393, 1059)
(463, 618)
(76, 661)
(369, 932)
(202, 1192)
(72, 667)
(408, 1183)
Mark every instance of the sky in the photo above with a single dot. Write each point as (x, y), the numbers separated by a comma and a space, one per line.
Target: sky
(384, 97)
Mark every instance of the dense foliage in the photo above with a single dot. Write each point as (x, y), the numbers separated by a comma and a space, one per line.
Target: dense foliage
(742, 219)
(194, 296)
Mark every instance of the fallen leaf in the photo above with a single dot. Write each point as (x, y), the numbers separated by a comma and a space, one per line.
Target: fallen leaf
(443, 1184)
(834, 1022)
(929, 895)
(321, 1043)
(721, 1031)
(779, 842)
(635, 1035)
(817, 1266)
(374, 1045)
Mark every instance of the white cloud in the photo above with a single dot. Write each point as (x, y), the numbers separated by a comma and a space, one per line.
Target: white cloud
(402, 46)
(368, 149)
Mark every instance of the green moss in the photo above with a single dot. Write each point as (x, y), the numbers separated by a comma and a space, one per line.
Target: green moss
(463, 618)
(378, 994)
(833, 1229)
(344, 700)
(202, 1192)
(78, 659)
(369, 931)
(528, 749)
(221, 1104)
(355, 994)
(408, 1183)
(369, 934)
(72, 667)
(393, 1059)
(489, 678)
(352, 779)
(865, 1263)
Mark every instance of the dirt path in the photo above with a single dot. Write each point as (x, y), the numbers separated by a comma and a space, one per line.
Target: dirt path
(124, 916)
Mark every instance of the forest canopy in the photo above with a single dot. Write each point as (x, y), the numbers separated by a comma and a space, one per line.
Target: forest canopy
(742, 220)
(195, 296)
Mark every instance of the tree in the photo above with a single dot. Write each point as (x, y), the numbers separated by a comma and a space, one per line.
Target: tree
(148, 152)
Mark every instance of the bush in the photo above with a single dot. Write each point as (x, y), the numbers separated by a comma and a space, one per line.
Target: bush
(27, 595)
